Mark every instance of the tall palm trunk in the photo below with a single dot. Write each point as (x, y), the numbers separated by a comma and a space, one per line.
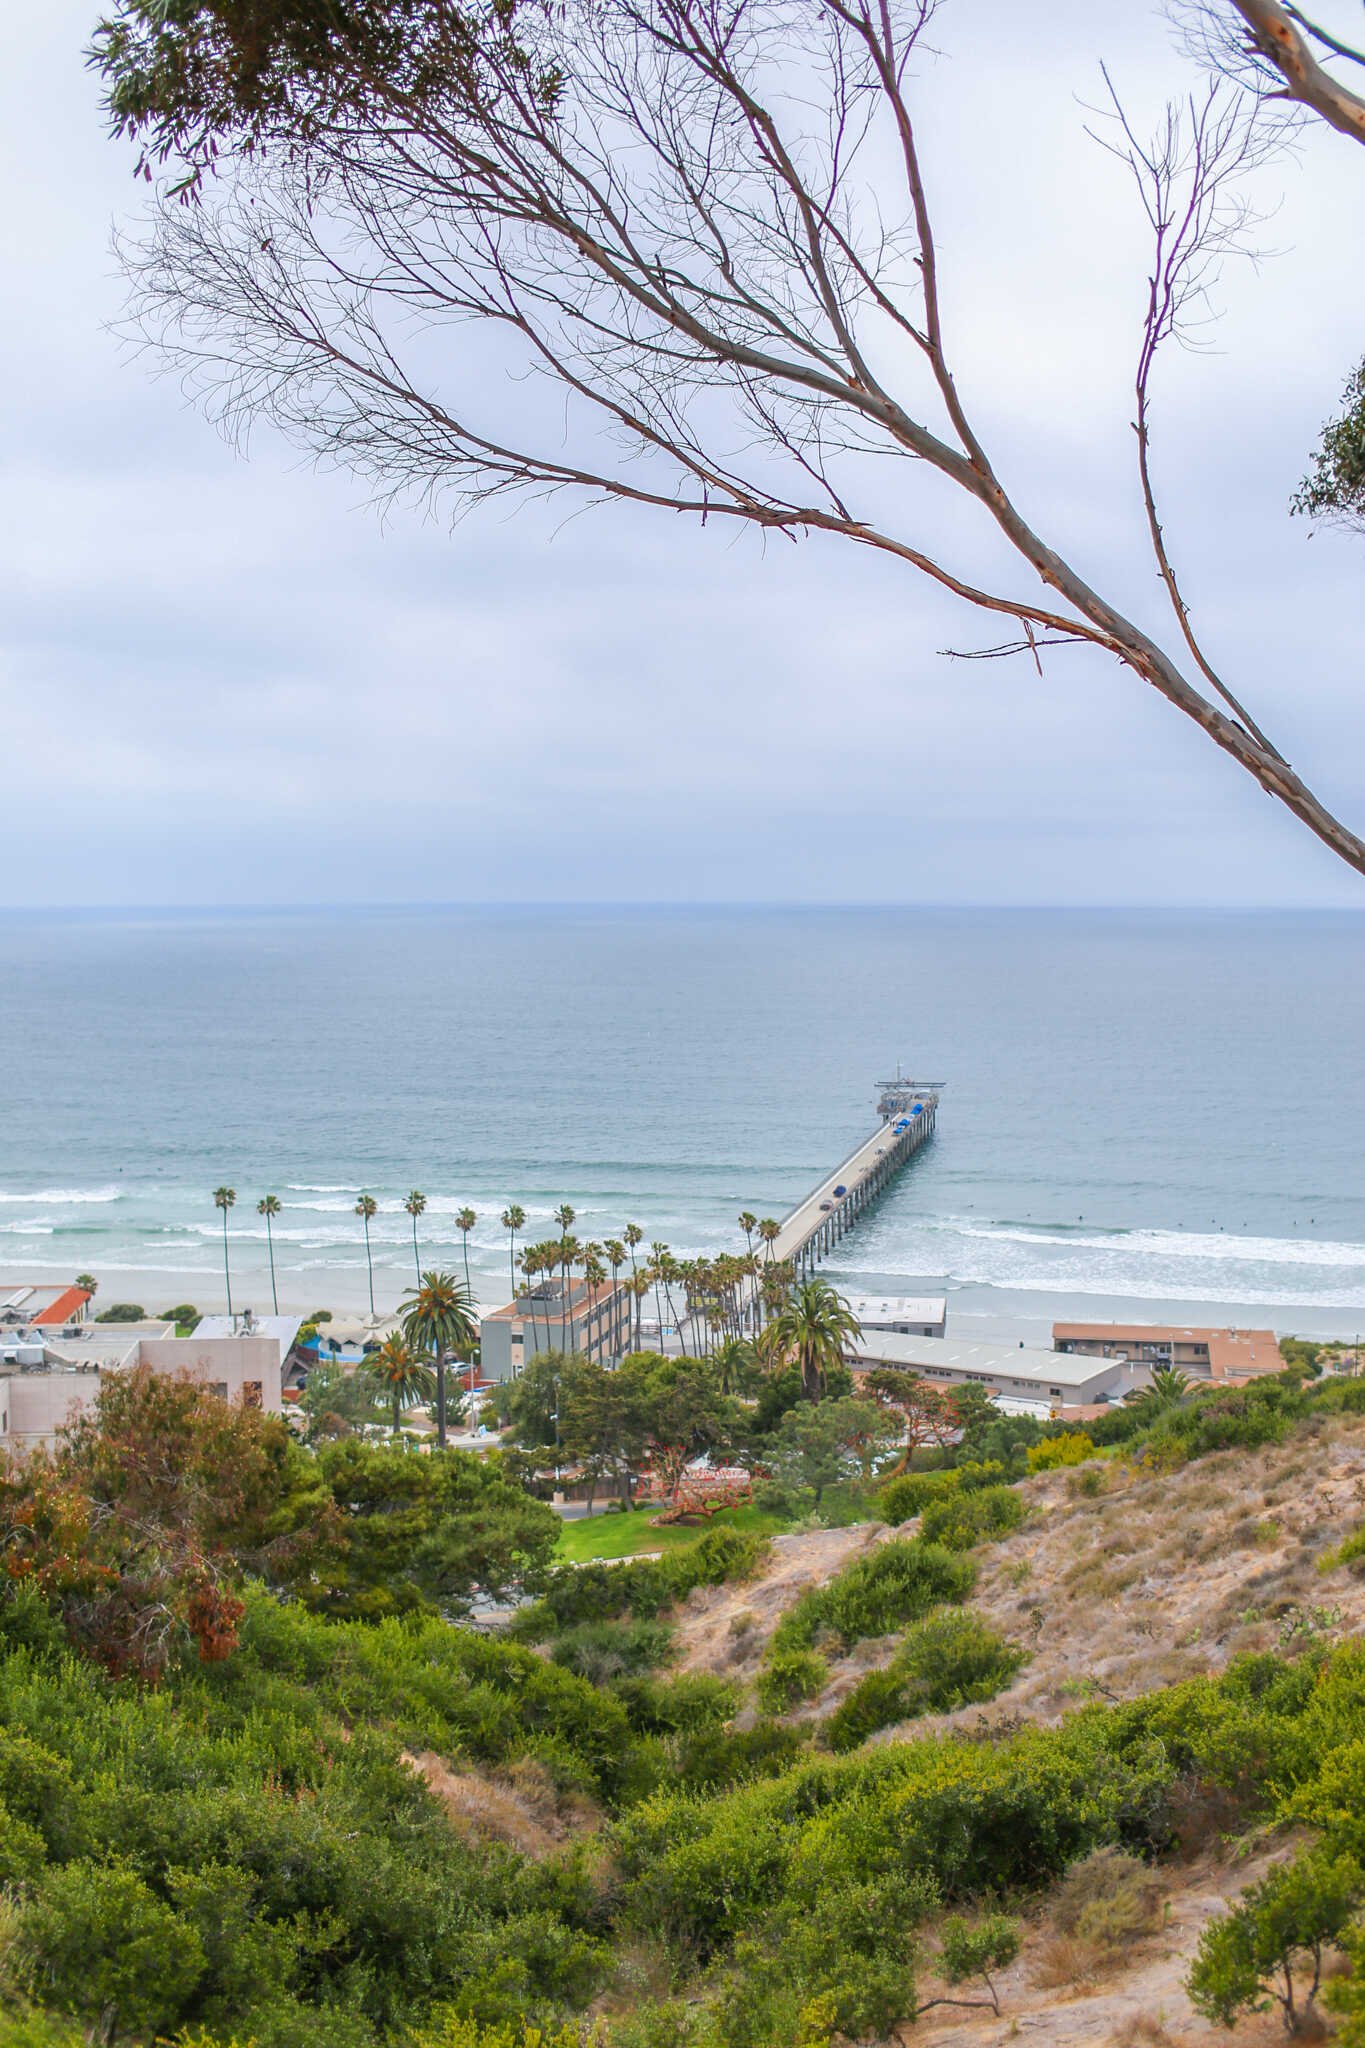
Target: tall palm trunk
(270, 1247)
(369, 1264)
(416, 1254)
(227, 1268)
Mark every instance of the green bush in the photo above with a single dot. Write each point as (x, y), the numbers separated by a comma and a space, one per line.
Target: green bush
(642, 1587)
(966, 1519)
(717, 1758)
(602, 1651)
(109, 1951)
(690, 1704)
(1072, 1447)
(1349, 1551)
(1247, 1958)
(878, 1593)
(977, 1948)
(901, 1499)
(789, 1676)
(946, 1661)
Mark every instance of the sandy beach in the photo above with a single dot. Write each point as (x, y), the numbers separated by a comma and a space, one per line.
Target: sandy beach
(973, 1312)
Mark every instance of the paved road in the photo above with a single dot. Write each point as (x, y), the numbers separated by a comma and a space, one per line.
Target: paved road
(808, 1215)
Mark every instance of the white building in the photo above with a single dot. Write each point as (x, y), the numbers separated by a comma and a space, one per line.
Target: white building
(46, 1379)
(923, 1315)
(1023, 1373)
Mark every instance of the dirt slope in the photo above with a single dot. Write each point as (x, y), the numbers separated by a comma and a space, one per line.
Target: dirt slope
(1141, 2004)
(1159, 1577)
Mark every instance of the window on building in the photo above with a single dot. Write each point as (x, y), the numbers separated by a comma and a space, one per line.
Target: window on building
(251, 1394)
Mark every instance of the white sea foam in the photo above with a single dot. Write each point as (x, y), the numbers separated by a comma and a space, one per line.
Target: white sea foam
(1145, 1265)
(64, 1197)
(1218, 1246)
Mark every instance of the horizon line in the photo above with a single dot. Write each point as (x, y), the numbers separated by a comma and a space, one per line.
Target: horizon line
(667, 903)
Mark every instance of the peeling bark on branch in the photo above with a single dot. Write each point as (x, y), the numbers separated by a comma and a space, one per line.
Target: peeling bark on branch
(1276, 36)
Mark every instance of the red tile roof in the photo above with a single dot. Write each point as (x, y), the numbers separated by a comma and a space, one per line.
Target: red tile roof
(68, 1304)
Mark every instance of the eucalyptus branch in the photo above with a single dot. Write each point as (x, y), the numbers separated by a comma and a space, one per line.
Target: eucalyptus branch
(690, 240)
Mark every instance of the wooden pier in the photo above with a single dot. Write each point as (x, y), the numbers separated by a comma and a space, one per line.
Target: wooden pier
(909, 1112)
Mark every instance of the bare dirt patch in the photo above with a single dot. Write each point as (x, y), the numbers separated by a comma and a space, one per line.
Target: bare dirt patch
(1136, 2001)
(725, 1629)
(517, 1807)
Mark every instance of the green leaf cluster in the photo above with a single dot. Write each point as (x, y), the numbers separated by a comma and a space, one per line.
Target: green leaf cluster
(946, 1661)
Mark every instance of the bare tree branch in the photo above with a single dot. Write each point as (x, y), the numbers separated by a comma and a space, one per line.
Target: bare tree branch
(1277, 35)
(689, 243)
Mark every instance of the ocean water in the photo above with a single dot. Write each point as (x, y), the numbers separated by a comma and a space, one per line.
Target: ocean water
(1144, 1113)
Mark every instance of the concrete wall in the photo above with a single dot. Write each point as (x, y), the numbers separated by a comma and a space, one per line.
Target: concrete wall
(230, 1365)
(40, 1402)
(34, 1405)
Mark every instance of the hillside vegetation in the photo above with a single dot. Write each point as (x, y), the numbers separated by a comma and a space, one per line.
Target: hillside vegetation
(1078, 1751)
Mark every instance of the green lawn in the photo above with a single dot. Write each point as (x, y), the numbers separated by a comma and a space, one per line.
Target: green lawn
(599, 1536)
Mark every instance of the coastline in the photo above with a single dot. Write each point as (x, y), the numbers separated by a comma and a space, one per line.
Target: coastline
(974, 1311)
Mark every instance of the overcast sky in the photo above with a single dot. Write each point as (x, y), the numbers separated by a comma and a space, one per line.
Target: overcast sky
(224, 681)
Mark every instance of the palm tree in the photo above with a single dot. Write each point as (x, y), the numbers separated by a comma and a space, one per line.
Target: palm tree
(638, 1284)
(405, 1378)
(416, 1206)
(364, 1209)
(748, 1223)
(812, 1330)
(513, 1217)
(268, 1206)
(223, 1198)
(569, 1253)
(88, 1284)
(438, 1320)
(769, 1230)
(1168, 1389)
(465, 1220)
(735, 1362)
(660, 1265)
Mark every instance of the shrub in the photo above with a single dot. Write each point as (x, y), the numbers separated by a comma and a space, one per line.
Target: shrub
(946, 1661)
(601, 1651)
(722, 1555)
(643, 1588)
(1107, 1900)
(876, 1594)
(902, 1498)
(1246, 1959)
(966, 1519)
(687, 1705)
(977, 1948)
(719, 1758)
(789, 1676)
(1349, 1551)
(123, 1312)
(1072, 1447)
(107, 1950)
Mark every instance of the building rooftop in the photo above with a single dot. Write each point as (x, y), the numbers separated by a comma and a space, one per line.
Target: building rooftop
(984, 1360)
(1232, 1353)
(100, 1347)
(40, 1303)
(902, 1308)
(285, 1328)
(550, 1295)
